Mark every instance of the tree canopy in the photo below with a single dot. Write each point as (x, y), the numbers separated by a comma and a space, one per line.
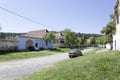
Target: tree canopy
(50, 36)
(109, 30)
(70, 38)
(82, 40)
(92, 40)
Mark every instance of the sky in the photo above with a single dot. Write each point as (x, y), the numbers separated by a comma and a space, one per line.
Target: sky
(84, 16)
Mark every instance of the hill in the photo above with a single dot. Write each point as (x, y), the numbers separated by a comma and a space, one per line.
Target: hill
(12, 36)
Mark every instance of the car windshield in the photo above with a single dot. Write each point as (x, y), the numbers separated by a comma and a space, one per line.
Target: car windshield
(74, 50)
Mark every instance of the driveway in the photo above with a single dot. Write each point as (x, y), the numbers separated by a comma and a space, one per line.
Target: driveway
(12, 69)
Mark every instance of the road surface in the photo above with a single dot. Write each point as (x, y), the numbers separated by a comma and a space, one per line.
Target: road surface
(13, 69)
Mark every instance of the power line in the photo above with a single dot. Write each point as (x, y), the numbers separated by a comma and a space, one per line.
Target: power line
(14, 13)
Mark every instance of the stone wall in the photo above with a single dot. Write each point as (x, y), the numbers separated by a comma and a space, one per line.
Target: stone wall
(8, 45)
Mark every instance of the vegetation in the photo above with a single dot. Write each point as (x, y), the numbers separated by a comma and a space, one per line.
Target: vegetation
(87, 36)
(7, 56)
(73, 39)
(105, 66)
(9, 36)
(92, 41)
(109, 29)
(82, 40)
(70, 38)
(50, 36)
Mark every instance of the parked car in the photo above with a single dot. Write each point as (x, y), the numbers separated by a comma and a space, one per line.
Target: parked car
(75, 53)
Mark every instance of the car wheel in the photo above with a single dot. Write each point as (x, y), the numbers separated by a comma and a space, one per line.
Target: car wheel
(70, 57)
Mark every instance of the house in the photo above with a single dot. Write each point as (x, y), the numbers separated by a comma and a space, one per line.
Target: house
(109, 45)
(34, 40)
(116, 36)
(59, 40)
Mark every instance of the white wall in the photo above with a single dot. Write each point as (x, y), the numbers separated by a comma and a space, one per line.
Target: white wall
(41, 43)
(109, 46)
(116, 37)
(116, 42)
(50, 44)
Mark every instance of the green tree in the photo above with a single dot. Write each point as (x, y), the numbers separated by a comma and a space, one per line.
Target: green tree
(92, 40)
(102, 40)
(109, 30)
(111, 17)
(70, 38)
(50, 36)
(82, 40)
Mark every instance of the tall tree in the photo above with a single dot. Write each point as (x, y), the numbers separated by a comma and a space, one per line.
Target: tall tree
(82, 40)
(109, 29)
(50, 36)
(92, 40)
(102, 40)
(70, 38)
(111, 17)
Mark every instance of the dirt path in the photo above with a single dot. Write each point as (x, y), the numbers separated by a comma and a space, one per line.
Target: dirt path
(12, 69)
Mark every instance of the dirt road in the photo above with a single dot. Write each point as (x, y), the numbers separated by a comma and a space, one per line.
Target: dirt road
(12, 69)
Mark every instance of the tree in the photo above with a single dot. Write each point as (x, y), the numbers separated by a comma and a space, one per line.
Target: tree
(50, 36)
(70, 38)
(82, 40)
(109, 29)
(92, 40)
(102, 40)
(111, 17)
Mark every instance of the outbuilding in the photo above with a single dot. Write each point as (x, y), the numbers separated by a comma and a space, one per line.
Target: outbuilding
(34, 40)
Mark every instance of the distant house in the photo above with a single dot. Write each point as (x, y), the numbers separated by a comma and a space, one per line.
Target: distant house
(109, 45)
(59, 40)
(34, 40)
(116, 36)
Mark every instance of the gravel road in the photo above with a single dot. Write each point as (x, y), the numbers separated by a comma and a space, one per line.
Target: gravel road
(12, 69)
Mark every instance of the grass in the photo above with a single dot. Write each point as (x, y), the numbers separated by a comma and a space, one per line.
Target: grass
(102, 66)
(7, 56)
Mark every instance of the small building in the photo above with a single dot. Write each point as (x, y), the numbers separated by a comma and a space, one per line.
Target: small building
(109, 45)
(59, 40)
(34, 40)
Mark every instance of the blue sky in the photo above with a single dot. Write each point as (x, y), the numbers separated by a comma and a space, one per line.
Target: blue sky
(84, 16)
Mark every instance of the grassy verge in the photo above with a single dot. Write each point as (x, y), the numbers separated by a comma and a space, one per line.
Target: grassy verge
(104, 66)
(7, 56)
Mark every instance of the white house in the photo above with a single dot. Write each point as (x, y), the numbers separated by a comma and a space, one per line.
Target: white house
(34, 40)
(109, 45)
(116, 36)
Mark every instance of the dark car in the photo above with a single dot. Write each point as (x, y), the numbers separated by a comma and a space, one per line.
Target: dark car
(75, 53)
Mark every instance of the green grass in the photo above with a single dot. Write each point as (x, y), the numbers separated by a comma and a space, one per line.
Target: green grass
(102, 66)
(7, 56)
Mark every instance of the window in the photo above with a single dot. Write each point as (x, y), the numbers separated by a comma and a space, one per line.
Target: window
(36, 45)
(61, 41)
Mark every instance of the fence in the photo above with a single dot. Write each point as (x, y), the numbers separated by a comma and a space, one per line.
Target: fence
(8, 45)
